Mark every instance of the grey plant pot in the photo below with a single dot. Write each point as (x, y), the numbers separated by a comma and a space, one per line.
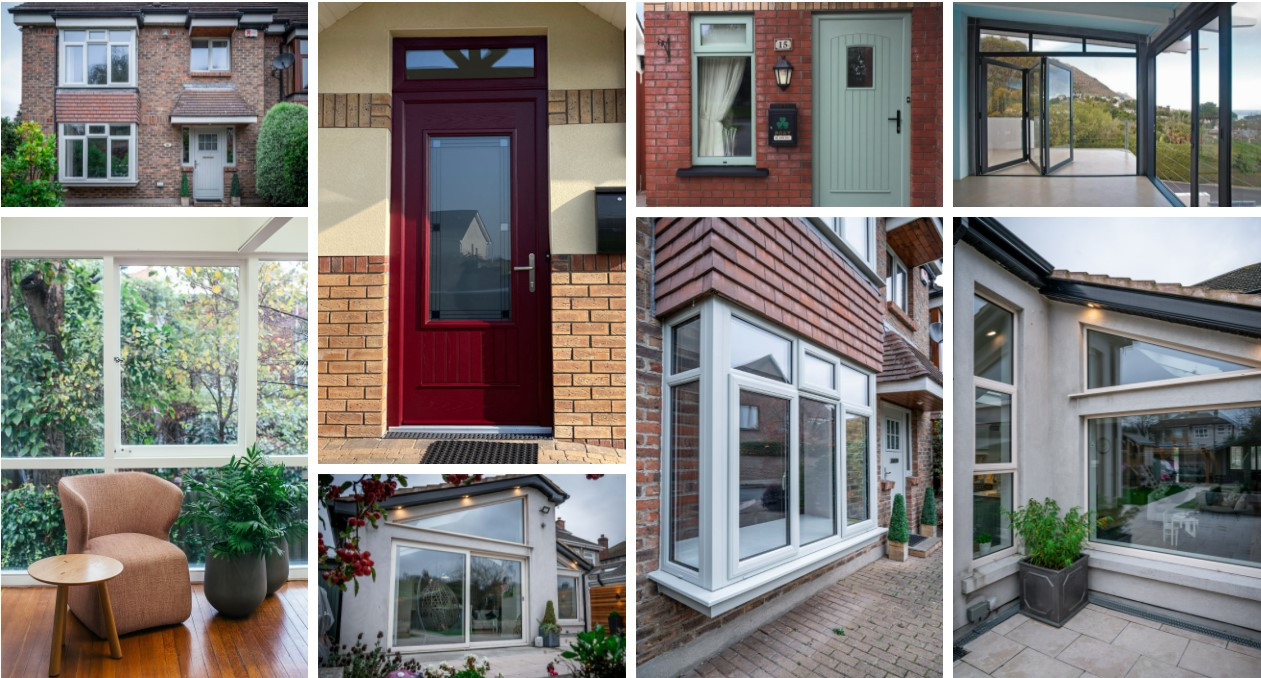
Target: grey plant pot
(1053, 596)
(236, 586)
(551, 639)
(278, 567)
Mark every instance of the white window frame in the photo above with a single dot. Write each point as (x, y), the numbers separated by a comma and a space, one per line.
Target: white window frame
(1253, 365)
(900, 297)
(578, 600)
(62, 80)
(720, 385)
(209, 46)
(838, 226)
(746, 50)
(63, 152)
(1011, 467)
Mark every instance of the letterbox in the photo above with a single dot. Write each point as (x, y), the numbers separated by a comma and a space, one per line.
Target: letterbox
(782, 122)
(610, 219)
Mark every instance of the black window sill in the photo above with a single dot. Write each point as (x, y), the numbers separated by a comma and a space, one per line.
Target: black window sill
(722, 171)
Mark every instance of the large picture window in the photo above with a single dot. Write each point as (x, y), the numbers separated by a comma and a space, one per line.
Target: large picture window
(97, 57)
(97, 152)
(501, 520)
(994, 460)
(1183, 483)
(1116, 360)
(723, 118)
(452, 598)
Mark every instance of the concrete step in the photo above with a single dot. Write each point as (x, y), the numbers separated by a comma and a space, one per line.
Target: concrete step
(925, 546)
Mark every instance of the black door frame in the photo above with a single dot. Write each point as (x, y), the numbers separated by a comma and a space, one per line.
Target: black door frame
(983, 126)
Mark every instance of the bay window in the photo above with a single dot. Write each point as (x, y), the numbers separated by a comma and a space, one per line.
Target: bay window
(98, 57)
(994, 461)
(723, 128)
(97, 152)
(767, 461)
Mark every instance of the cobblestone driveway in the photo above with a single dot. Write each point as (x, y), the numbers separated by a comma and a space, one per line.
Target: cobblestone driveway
(891, 614)
(404, 451)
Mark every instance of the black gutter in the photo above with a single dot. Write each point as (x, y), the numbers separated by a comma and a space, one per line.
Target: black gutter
(577, 558)
(992, 239)
(441, 494)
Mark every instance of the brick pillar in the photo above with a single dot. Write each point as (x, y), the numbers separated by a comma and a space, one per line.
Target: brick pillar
(351, 316)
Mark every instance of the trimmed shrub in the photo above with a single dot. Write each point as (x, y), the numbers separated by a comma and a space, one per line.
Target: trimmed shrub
(30, 169)
(281, 158)
(899, 531)
(1050, 541)
(184, 193)
(235, 191)
(928, 516)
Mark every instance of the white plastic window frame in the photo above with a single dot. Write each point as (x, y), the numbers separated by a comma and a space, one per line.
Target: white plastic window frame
(720, 387)
(209, 45)
(899, 296)
(838, 227)
(578, 601)
(63, 152)
(1253, 366)
(109, 43)
(1011, 467)
(746, 50)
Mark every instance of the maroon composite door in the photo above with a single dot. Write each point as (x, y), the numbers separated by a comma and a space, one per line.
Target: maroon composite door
(469, 293)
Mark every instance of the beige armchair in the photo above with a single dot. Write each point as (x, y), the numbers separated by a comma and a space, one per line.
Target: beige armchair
(128, 517)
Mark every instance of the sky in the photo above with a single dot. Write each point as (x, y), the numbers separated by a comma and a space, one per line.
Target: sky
(10, 62)
(1176, 250)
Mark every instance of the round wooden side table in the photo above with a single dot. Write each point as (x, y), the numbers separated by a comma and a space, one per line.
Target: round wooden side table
(77, 569)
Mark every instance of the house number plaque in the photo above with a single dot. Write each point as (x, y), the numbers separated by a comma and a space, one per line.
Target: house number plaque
(783, 44)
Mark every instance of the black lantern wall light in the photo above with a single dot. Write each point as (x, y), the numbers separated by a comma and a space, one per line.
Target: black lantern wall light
(783, 73)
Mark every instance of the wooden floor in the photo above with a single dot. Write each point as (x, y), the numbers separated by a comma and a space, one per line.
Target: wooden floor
(272, 642)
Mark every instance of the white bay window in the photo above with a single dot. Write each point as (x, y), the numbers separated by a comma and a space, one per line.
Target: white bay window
(97, 152)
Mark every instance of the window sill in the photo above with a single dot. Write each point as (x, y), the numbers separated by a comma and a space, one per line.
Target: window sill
(209, 74)
(714, 603)
(1208, 576)
(71, 183)
(722, 171)
(991, 572)
(902, 315)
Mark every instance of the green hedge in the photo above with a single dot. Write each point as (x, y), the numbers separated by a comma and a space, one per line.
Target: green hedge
(282, 156)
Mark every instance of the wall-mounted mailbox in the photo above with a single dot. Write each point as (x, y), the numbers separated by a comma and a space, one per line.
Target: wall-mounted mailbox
(610, 220)
(782, 122)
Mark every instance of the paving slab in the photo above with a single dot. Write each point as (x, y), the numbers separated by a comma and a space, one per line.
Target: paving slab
(1219, 662)
(1146, 667)
(1158, 645)
(1044, 638)
(1098, 657)
(991, 651)
(1096, 624)
(1033, 664)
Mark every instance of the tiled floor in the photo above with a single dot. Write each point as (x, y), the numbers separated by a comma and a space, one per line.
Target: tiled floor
(1103, 643)
(891, 617)
(1004, 191)
(402, 451)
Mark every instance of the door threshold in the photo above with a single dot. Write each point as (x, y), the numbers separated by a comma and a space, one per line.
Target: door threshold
(500, 430)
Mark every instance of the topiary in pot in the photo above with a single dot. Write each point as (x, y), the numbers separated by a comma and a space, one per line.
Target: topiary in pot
(548, 628)
(1054, 573)
(235, 190)
(184, 192)
(899, 532)
(928, 514)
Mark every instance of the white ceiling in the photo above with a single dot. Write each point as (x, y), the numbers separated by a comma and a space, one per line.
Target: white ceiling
(184, 235)
(612, 12)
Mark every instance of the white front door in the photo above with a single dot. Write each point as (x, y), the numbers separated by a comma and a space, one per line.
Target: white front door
(894, 460)
(208, 159)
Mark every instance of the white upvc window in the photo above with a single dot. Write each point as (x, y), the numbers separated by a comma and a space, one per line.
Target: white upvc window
(568, 597)
(994, 464)
(767, 458)
(98, 57)
(97, 152)
(724, 109)
(859, 233)
(897, 282)
(210, 55)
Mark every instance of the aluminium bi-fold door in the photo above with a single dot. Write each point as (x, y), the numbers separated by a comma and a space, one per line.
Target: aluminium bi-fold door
(1026, 114)
(1004, 131)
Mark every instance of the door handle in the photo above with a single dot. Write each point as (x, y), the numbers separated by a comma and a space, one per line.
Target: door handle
(898, 118)
(529, 268)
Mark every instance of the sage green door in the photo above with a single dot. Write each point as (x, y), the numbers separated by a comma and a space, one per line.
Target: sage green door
(862, 139)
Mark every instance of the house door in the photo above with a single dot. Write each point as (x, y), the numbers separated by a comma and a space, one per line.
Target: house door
(1004, 130)
(471, 317)
(208, 161)
(896, 450)
(862, 135)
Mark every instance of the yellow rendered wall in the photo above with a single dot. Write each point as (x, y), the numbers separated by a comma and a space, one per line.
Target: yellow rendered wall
(354, 191)
(581, 158)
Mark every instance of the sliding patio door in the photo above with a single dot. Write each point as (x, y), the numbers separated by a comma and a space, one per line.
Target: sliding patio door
(1004, 132)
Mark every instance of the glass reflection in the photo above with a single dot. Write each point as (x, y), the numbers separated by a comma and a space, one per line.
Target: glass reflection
(817, 476)
(685, 474)
(495, 599)
(992, 336)
(759, 352)
(429, 597)
(501, 521)
(449, 64)
(1114, 361)
(687, 346)
(993, 427)
(763, 476)
(991, 502)
(857, 482)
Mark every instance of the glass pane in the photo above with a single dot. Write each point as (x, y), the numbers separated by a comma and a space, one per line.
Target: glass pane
(495, 596)
(120, 158)
(1004, 41)
(429, 597)
(470, 221)
(1173, 118)
(992, 337)
(724, 107)
(853, 230)
(219, 56)
(566, 597)
(993, 427)
(1105, 128)
(1210, 129)
(207, 142)
(184, 135)
(120, 60)
(74, 36)
(97, 64)
(180, 346)
(448, 64)
(724, 34)
(991, 501)
(120, 130)
(120, 36)
(97, 157)
(1113, 361)
(96, 129)
(503, 521)
(855, 386)
(1004, 114)
(1036, 131)
(1059, 109)
(686, 346)
(685, 474)
(74, 63)
(1245, 149)
(1052, 43)
(53, 386)
(200, 56)
(817, 475)
(305, 70)
(230, 146)
(818, 373)
(1095, 45)
(763, 475)
(98, 35)
(74, 158)
(282, 357)
(1179, 482)
(857, 480)
(34, 528)
(759, 352)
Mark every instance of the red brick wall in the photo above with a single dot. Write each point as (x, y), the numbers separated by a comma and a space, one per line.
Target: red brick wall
(778, 268)
(39, 75)
(668, 102)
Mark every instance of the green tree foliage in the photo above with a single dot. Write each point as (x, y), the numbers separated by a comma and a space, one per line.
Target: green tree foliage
(1050, 541)
(30, 171)
(899, 530)
(281, 177)
(9, 132)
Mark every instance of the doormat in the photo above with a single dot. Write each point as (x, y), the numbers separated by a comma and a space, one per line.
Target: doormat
(916, 539)
(480, 452)
(427, 435)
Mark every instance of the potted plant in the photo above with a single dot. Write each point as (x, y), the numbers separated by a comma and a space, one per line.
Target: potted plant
(982, 542)
(283, 506)
(548, 628)
(1053, 573)
(928, 514)
(184, 192)
(899, 532)
(225, 505)
(235, 190)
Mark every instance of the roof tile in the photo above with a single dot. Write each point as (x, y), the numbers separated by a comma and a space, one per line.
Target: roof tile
(211, 103)
(77, 105)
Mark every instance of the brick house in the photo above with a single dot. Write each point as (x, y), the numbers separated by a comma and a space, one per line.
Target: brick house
(485, 298)
(825, 104)
(141, 94)
(779, 361)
